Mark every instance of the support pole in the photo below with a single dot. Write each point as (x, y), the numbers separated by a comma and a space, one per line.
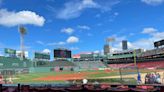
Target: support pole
(134, 53)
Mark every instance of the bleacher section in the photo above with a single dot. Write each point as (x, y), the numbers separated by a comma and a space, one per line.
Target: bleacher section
(89, 65)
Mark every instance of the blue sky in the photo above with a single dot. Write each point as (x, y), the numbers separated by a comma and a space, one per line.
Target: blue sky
(81, 25)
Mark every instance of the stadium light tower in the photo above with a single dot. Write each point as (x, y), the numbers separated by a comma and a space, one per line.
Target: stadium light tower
(110, 40)
(22, 31)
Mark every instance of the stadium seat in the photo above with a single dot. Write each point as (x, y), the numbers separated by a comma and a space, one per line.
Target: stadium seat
(150, 65)
(89, 65)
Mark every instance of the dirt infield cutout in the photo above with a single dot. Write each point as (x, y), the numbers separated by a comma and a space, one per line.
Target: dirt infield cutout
(64, 77)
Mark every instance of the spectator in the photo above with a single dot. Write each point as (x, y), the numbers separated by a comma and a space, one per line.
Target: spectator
(96, 84)
(147, 80)
(152, 78)
(139, 78)
(1, 79)
(85, 81)
(158, 79)
(74, 82)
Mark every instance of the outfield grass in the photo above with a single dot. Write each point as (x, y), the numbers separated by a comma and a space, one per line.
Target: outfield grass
(29, 78)
(104, 74)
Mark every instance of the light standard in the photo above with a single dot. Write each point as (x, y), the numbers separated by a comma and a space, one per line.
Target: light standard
(23, 32)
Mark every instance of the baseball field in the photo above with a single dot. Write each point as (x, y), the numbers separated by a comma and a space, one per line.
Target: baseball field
(105, 76)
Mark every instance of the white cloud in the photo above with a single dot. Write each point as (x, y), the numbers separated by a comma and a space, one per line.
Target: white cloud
(89, 3)
(74, 48)
(118, 38)
(117, 46)
(46, 51)
(144, 43)
(147, 43)
(10, 18)
(61, 43)
(72, 39)
(75, 8)
(56, 43)
(130, 45)
(67, 30)
(101, 52)
(149, 30)
(158, 36)
(40, 42)
(153, 2)
(131, 34)
(154, 33)
(113, 16)
(116, 14)
(140, 43)
(83, 27)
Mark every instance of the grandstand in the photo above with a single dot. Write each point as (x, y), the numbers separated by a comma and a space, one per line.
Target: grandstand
(141, 65)
(120, 56)
(89, 65)
(151, 64)
(153, 52)
(117, 66)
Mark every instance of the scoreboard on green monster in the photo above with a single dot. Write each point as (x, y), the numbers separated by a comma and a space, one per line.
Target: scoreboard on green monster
(62, 53)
